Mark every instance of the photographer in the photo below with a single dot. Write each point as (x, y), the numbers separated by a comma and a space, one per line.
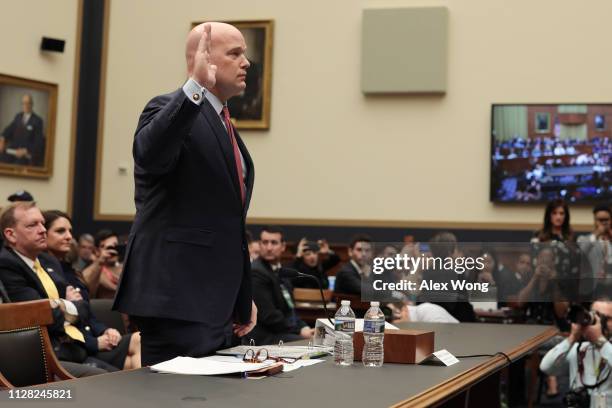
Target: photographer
(102, 276)
(307, 260)
(588, 353)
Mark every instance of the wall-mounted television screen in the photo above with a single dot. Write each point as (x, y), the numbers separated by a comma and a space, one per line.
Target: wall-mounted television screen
(541, 152)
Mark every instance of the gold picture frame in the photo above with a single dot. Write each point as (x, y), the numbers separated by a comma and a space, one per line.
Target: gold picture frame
(251, 110)
(28, 110)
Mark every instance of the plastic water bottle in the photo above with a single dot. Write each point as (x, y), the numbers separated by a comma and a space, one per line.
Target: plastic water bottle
(344, 329)
(373, 336)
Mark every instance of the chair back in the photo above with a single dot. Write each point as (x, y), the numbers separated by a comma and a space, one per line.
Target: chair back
(26, 354)
(102, 309)
(311, 295)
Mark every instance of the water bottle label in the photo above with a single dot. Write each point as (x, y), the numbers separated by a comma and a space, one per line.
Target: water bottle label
(345, 326)
(374, 326)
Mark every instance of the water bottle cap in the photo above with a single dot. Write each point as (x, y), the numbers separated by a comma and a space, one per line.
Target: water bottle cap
(345, 303)
(374, 304)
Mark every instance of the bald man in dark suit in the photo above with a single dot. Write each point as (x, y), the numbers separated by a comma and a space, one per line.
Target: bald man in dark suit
(187, 280)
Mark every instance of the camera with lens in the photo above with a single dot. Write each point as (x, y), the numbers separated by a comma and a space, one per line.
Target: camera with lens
(117, 250)
(581, 315)
(577, 399)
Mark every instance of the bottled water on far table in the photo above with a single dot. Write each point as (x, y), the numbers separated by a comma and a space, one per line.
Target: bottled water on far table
(344, 328)
(373, 336)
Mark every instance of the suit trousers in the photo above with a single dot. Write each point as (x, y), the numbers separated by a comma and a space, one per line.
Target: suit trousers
(163, 339)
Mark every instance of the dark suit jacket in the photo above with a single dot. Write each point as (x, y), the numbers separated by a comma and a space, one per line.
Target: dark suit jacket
(187, 255)
(22, 284)
(275, 318)
(348, 280)
(29, 135)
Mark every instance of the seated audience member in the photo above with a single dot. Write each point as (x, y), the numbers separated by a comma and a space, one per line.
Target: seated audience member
(488, 274)
(511, 282)
(253, 246)
(86, 246)
(30, 274)
(597, 248)
(586, 354)
(102, 342)
(349, 277)
(456, 302)
(102, 276)
(307, 261)
(273, 295)
(75, 369)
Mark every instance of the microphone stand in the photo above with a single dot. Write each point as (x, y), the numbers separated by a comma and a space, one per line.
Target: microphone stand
(294, 273)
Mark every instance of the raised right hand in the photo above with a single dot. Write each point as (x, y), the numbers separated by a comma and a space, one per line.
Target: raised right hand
(204, 73)
(300, 248)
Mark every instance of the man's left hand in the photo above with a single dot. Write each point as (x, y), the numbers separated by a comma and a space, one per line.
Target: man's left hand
(244, 329)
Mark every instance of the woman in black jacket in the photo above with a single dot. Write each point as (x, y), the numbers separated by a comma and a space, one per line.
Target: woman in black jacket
(101, 342)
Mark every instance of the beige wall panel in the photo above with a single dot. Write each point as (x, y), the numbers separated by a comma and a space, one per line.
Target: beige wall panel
(332, 153)
(22, 25)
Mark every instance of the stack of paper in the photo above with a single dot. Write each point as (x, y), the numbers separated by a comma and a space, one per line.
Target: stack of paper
(213, 365)
(296, 352)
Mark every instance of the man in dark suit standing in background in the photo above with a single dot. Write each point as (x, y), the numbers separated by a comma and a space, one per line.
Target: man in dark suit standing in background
(187, 280)
(23, 142)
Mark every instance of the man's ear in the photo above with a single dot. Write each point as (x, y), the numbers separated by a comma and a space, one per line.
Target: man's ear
(9, 235)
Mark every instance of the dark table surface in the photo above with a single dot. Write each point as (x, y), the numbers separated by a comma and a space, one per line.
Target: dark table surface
(323, 384)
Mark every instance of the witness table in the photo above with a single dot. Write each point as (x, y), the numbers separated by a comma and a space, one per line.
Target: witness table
(474, 381)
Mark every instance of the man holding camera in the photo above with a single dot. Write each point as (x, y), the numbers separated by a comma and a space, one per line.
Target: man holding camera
(588, 353)
(104, 272)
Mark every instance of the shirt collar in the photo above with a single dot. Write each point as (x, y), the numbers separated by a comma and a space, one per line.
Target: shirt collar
(356, 266)
(25, 259)
(214, 101)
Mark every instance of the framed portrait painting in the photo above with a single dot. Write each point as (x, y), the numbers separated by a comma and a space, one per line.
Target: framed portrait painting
(27, 126)
(251, 109)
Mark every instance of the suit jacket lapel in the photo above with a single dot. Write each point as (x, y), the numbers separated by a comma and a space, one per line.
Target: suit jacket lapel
(223, 139)
(30, 273)
(250, 170)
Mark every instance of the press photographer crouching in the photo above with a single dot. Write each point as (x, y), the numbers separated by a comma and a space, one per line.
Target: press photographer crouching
(588, 354)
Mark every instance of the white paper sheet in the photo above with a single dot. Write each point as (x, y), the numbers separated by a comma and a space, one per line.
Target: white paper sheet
(300, 364)
(213, 365)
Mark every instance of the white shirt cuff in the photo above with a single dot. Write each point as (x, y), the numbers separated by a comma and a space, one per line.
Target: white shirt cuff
(194, 91)
(70, 307)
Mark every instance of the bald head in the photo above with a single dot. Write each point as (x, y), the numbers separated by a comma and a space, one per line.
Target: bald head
(227, 53)
(218, 32)
(27, 103)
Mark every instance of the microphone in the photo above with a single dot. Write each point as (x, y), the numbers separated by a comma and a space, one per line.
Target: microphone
(290, 273)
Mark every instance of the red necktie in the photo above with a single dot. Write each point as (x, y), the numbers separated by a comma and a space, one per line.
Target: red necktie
(239, 170)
